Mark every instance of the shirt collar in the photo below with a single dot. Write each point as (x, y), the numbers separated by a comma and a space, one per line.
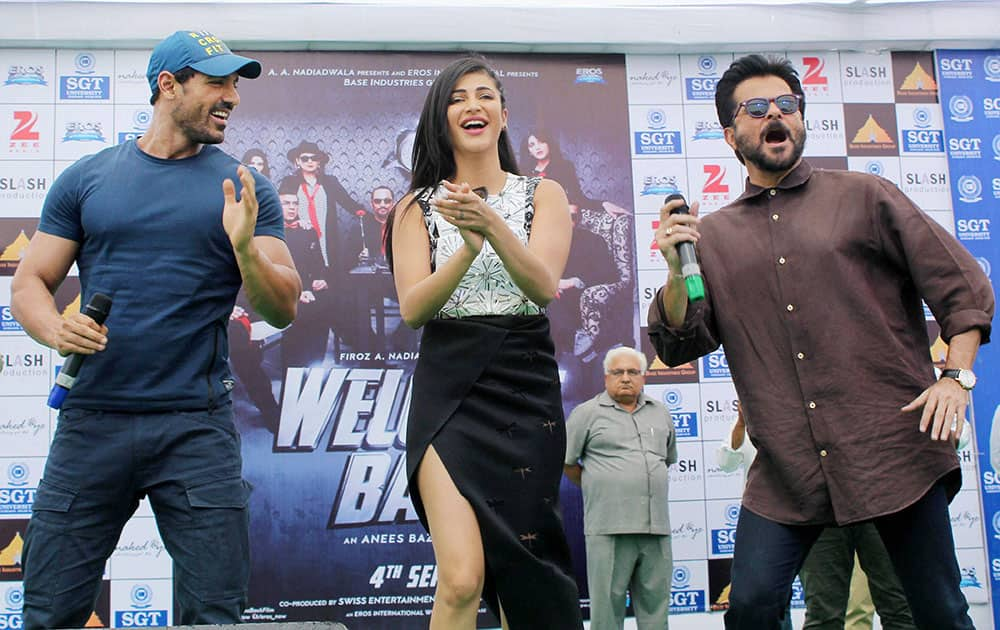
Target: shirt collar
(796, 177)
(605, 400)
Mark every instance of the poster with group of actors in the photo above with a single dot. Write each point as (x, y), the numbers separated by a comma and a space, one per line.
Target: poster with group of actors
(321, 405)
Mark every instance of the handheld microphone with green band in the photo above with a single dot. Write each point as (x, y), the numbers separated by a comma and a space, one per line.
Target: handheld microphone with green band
(689, 260)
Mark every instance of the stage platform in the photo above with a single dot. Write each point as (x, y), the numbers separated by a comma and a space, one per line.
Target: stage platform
(296, 625)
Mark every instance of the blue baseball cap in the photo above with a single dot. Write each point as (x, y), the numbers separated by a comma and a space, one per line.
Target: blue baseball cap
(201, 51)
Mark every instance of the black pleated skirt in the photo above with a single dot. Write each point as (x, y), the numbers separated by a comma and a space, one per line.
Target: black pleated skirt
(486, 395)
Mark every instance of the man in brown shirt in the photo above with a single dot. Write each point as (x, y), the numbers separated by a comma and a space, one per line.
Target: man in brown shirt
(814, 285)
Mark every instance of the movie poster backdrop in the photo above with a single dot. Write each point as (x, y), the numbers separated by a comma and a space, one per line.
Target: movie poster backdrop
(335, 535)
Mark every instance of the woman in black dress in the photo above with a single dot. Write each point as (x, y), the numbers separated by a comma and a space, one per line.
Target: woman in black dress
(477, 252)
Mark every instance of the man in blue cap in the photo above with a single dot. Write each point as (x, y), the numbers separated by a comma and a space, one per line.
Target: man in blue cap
(158, 225)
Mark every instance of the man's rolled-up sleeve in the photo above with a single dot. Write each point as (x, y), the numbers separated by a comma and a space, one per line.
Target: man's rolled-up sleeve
(947, 276)
(693, 339)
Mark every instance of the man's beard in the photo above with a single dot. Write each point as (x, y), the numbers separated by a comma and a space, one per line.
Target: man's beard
(756, 154)
(200, 136)
(197, 133)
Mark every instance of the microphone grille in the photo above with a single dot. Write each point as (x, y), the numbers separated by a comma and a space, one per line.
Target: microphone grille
(100, 302)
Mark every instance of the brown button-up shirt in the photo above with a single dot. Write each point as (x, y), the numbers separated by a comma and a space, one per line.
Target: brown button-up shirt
(814, 290)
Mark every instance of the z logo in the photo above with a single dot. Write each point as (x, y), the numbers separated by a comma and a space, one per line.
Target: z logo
(814, 71)
(25, 127)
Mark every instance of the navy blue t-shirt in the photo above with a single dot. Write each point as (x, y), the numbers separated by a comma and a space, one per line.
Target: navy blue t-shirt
(151, 237)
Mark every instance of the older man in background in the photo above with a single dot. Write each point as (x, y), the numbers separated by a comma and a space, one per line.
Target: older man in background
(618, 447)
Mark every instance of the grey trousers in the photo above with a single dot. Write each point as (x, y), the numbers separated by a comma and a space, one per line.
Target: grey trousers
(641, 563)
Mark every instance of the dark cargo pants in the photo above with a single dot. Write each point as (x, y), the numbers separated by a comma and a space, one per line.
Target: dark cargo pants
(100, 465)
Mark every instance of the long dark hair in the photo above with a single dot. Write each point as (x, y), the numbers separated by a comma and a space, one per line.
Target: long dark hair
(433, 153)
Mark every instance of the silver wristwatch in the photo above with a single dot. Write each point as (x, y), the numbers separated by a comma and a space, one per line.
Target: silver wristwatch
(965, 378)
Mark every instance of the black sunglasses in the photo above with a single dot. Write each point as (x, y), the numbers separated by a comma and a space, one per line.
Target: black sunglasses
(757, 107)
(309, 158)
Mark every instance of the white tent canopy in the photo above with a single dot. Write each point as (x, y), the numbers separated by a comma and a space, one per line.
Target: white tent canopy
(632, 26)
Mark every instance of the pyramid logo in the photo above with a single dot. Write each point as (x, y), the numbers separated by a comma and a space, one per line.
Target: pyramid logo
(722, 601)
(914, 77)
(875, 129)
(919, 81)
(658, 364)
(11, 255)
(72, 308)
(11, 554)
(872, 133)
(15, 250)
(939, 351)
(659, 372)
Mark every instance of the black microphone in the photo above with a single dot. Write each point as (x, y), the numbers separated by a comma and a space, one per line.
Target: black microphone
(97, 309)
(689, 260)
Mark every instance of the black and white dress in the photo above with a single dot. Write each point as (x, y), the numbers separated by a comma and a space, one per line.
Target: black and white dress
(486, 395)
